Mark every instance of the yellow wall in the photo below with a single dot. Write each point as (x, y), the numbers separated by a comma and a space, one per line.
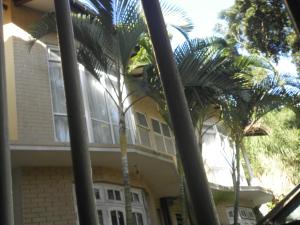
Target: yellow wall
(10, 75)
(48, 194)
(149, 107)
(19, 72)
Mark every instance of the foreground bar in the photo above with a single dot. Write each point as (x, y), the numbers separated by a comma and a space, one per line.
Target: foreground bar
(6, 200)
(78, 131)
(293, 7)
(192, 162)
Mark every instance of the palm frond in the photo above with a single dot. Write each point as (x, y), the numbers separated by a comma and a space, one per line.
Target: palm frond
(46, 25)
(176, 16)
(128, 35)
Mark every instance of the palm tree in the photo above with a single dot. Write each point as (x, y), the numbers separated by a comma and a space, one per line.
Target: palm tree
(208, 70)
(242, 110)
(107, 33)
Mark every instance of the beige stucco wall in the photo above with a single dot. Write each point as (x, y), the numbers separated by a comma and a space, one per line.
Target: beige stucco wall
(149, 107)
(48, 194)
(31, 120)
(35, 121)
(28, 95)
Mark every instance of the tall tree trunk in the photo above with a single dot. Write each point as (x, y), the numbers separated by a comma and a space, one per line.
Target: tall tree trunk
(199, 190)
(248, 165)
(237, 182)
(183, 199)
(125, 168)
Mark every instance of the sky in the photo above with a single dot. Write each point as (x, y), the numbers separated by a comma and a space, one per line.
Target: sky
(204, 14)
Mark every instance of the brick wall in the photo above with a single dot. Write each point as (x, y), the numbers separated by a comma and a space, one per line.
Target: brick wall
(34, 110)
(48, 195)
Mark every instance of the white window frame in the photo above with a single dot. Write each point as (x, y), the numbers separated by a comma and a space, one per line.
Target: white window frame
(108, 205)
(49, 60)
(142, 213)
(88, 117)
(115, 208)
(241, 219)
(114, 190)
(143, 127)
(163, 136)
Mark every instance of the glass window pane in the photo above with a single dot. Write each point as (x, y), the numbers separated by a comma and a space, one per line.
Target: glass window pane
(170, 145)
(121, 218)
(102, 132)
(128, 134)
(141, 119)
(166, 130)
(61, 128)
(110, 194)
(96, 99)
(159, 142)
(100, 217)
(134, 219)
(179, 219)
(113, 110)
(251, 214)
(116, 135)
(140, 219)
(54, 54)
(57, 88)
(243, 214)
(114, 219)
(136, 198)
(118, 195)
(97, 193)
(144, 135)
(156, 126)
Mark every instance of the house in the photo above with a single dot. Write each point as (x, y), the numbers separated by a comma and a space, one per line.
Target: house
(39, 141)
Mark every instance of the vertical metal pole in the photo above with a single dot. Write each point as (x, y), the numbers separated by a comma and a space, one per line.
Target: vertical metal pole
(192, 162)
(6, 200)
(78, 130)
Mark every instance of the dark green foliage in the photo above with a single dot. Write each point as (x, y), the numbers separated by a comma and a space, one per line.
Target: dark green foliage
(262, 26)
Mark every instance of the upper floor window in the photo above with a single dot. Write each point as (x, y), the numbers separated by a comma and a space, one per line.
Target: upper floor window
(159, 137)
(101, 112)
(143, 129)
(162, 136)
(58, 97)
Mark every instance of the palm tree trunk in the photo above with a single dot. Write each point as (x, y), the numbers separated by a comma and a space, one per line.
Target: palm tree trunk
(248, 165)
(125, 168)
(183, 198)
(237, 182)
